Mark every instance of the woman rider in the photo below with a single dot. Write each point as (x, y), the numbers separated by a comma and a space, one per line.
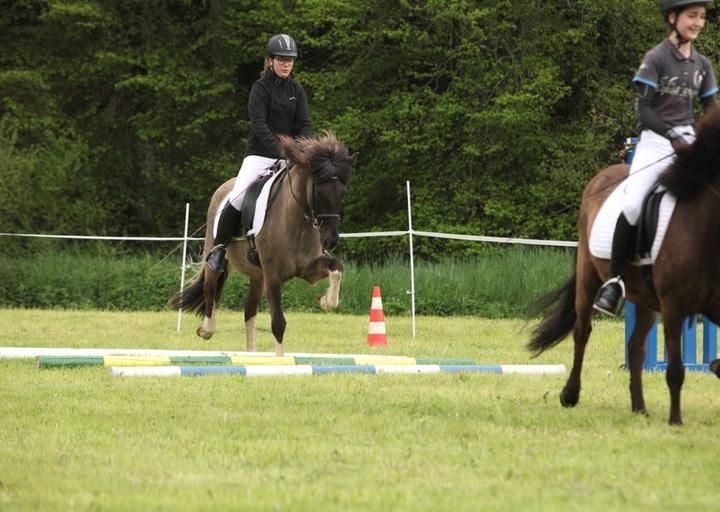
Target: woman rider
(671, 76)
(277, 105)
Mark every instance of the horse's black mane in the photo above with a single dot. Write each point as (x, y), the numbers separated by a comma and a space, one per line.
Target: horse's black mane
(329, 158)
(698, 164)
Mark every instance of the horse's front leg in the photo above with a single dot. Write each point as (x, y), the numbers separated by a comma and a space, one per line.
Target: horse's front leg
(331, 268)
(675, 376)
(251, 308)
(713, 315)
(278, 322)
(331, 298)
(644, 320)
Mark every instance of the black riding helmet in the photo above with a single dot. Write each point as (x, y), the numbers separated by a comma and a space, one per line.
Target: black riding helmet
(281, 45)
(668, 6)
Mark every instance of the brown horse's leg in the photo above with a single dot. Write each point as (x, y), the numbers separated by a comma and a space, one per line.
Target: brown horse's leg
(278, 322)
(675, 376)
(588, 284)
(570, 395)
(644, 320)
(251, 308)
(207, 328)
(714, 316)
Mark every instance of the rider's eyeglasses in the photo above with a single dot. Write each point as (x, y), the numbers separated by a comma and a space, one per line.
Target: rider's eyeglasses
(285, 60)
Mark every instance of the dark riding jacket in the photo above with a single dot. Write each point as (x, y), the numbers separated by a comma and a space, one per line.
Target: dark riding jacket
(276, 107)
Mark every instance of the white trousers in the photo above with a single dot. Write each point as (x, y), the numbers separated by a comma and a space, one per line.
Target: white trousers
(252, 168)
(652, 155)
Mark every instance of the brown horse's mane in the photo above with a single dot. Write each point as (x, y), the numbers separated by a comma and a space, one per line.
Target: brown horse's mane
(698, 164)
(327, 157)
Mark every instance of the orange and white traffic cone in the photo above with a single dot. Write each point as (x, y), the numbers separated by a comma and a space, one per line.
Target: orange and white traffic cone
(376, 329)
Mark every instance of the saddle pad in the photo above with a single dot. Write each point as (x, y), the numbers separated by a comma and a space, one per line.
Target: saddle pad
(260, 207)
(601, 234)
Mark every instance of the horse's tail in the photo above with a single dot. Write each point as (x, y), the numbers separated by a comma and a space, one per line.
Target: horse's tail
(192, 298)
(558, 324)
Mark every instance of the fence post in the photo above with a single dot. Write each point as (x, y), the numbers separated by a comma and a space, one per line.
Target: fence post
(411, 291)
(184, 259)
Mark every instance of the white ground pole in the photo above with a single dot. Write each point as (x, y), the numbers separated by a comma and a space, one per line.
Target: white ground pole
(184, 259)
(411, 291)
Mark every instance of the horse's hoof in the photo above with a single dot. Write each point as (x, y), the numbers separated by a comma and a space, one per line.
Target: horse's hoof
(715, 367)
(279, 351)
(676, 422)
(204, 334)
(568, 399)
(641, 411)
(323, 301)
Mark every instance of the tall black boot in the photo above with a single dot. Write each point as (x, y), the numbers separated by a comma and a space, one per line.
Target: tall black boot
(227, 224)
(623, 249)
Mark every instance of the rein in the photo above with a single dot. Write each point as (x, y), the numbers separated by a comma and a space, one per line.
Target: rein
(713, 189)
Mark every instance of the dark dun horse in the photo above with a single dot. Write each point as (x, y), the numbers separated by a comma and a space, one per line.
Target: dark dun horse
(686, 274)
(300, 226)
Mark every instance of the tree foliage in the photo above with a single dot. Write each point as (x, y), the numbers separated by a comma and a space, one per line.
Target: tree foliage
(114, 113)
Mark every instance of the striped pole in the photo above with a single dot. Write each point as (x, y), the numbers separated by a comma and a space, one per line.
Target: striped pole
(319, 360)
(376, 329)
(33, 352)
(269, 371)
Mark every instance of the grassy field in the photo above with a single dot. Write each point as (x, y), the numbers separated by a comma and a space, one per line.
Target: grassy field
(80, 439)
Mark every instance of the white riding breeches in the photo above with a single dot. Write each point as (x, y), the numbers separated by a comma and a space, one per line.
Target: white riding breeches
(252, 168)
(652, 155)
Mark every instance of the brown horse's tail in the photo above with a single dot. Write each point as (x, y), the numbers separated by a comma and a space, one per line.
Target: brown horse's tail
(558, 324)
(192, 298)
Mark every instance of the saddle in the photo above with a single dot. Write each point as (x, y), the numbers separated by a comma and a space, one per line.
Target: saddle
(647, 229)
(249, 203)
(246, 226)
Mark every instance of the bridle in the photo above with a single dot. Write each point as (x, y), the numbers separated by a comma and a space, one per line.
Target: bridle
(315, 219)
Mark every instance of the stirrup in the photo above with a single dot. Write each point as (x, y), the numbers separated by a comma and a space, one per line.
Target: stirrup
(253, 257)
(216, 260)
(620, 282)
(610, 306)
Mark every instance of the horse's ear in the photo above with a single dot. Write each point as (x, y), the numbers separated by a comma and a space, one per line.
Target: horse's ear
(293, 150)
(353, 159)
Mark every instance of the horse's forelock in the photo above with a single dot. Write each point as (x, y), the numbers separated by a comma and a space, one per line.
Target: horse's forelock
(698, 164)
(329, 158)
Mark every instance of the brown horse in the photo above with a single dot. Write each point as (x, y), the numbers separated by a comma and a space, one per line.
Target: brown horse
(300, 226)
(686, 273)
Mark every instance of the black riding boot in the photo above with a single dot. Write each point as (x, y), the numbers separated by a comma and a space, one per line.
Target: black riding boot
(227, 223)
(623, 248)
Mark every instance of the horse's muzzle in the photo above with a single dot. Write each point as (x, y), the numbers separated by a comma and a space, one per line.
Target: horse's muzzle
(329, 226)
(330, 241)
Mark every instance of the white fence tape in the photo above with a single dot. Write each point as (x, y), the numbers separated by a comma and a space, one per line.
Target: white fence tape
(428, 234)
(410, 232)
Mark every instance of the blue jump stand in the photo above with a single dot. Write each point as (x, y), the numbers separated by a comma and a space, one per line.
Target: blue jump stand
(689, 343)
